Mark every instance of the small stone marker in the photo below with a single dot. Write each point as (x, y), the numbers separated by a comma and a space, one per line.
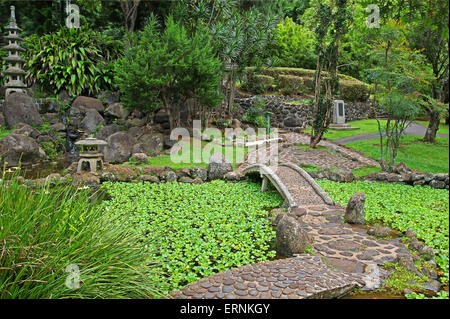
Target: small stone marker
(292, 237)
(354, 213)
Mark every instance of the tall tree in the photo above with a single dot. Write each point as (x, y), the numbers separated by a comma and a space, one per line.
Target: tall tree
(399, 74)
(169, 67)
(430, 34)
(130, 11)
(333, 20)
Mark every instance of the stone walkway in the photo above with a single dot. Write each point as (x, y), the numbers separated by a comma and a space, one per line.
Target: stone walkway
(333, 157)
(414, 129)
(345, 256)
(300, 277)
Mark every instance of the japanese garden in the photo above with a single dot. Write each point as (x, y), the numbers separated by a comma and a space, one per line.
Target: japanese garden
(224, 149)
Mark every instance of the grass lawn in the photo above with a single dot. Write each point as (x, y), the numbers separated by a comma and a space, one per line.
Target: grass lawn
(234, 154)
(425, 157)
(370, 126)
(365, 126)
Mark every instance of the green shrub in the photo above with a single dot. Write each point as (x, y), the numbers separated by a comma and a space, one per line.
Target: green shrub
(77, 60)
(169, 65)
(198, 229)
(353, 90)
(308, 82)
(257, 83)
(290, 85)
(255, 114)
(293, 45)
(44, 230)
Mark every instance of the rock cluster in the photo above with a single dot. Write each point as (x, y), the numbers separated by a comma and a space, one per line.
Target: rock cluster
(408, 177)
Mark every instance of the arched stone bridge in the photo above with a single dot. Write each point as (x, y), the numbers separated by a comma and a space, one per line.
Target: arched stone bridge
(292, 182)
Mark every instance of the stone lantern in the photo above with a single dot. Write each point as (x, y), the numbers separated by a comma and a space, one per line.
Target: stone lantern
(90, 154)
(14, 71)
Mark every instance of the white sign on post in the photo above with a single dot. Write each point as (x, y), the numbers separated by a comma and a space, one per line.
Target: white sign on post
(339, 112)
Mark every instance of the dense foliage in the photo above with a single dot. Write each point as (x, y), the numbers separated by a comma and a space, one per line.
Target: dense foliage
(421, 208)
(167, 68)
(293, 45)
(77, 60)
(197, 230)
(45, 230)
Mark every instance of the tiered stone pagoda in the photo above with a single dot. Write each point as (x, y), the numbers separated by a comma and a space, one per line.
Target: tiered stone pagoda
(14, 71)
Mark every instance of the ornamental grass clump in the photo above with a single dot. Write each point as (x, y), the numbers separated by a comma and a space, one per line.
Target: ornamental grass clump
(47, 234)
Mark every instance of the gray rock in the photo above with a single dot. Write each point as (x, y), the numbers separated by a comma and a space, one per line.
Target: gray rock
(218, 166)
(152, 143)
(232, 176)
(441, 176)
(426, 253)
(51, 118)
(168, 176)
(136, 122)
(76, 115)
(354, 213)
(199, 172)
(116, 110)
(185, 179)
(432, 285)
(161, 117)
(406, 261)
(279, 216)
(24, 129)
(437, 184)
(400, 168)
(149, 178)
(17, 148)
(58, 127)
(92, 121)
(292, 238)
(415, 244)
(119, 148)
(137, 114)
(84, 102)
(292, 122)
(20, 108)
(379, 231)
(140, 157)
(168, 143)
(108, 97)
(2, 120)
(410, 233)
(107, 131)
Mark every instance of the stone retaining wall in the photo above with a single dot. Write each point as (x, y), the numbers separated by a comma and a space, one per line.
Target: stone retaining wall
(294, 117)
(438, 180)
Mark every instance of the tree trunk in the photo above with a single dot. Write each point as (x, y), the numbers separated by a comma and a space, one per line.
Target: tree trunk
(433, 126)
